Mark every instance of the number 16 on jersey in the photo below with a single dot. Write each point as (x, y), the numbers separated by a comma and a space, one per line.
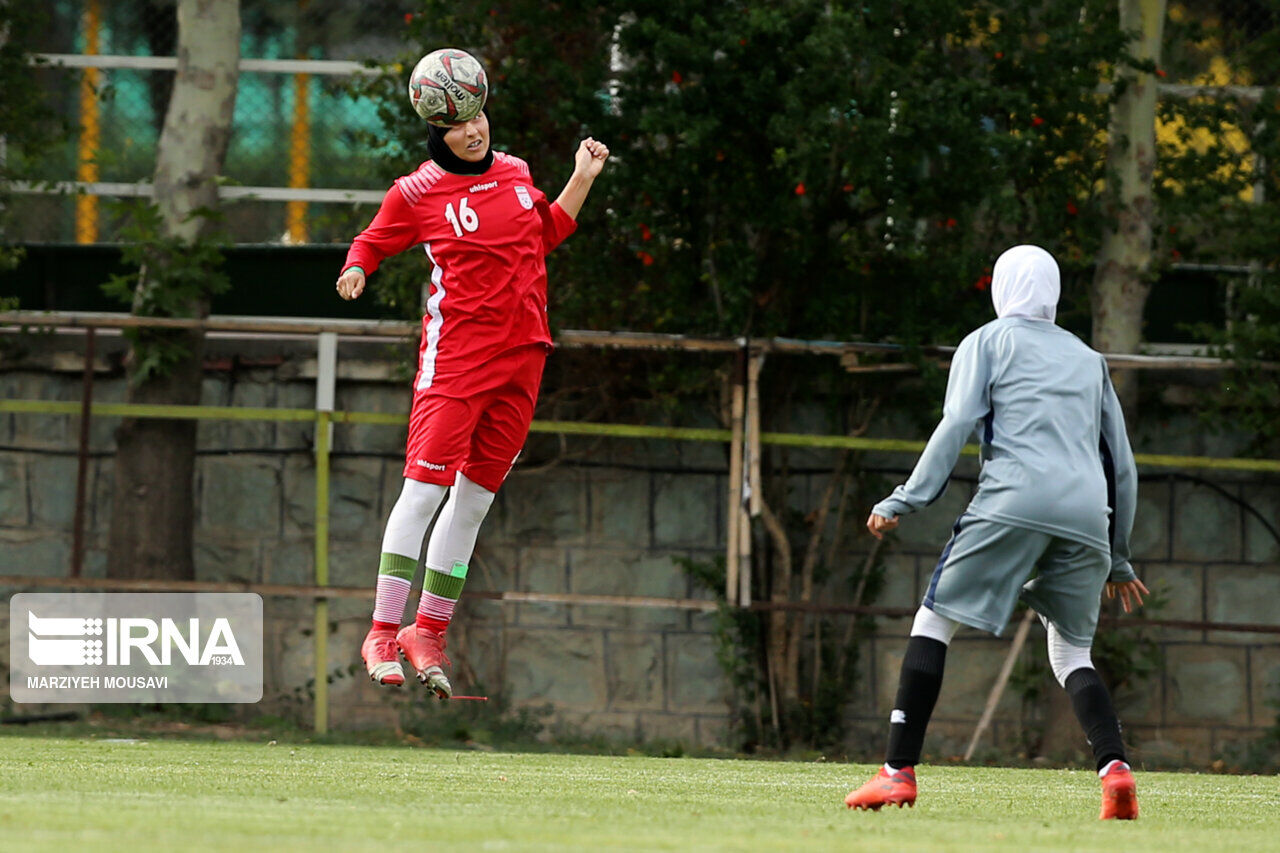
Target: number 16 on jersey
(464, 218)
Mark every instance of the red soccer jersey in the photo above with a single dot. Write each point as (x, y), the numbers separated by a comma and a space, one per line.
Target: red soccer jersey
(487, 237)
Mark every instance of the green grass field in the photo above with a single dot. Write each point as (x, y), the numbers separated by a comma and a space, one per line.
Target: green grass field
(65, 794)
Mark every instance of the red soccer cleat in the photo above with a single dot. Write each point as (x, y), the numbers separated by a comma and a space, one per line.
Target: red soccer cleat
(1119, 794)
(424, 650)
(381, 657)
(898, 788)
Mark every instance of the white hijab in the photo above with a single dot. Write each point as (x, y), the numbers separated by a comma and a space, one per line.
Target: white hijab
(1025, 283)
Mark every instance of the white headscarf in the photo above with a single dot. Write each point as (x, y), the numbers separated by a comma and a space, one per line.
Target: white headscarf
(1025, 283)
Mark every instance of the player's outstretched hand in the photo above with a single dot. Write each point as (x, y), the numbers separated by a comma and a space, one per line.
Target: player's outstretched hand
(351, 284)
(590, 157)
(1131, 593)
(879, 525)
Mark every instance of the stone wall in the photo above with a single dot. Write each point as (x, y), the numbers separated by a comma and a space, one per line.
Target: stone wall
(608, 518)
(607, 528)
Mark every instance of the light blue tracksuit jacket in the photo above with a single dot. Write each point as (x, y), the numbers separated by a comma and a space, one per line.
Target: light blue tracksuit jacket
(1055, 456)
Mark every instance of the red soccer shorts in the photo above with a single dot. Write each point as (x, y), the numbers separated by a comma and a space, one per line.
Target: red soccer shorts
(479, 434)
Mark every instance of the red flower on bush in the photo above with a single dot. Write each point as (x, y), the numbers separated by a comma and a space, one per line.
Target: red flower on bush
(984, 281)
(800, 189)
(1036, 121)
(645, 234)
(677, 77)
(847, 188)
(1072, 210)
(645, 258)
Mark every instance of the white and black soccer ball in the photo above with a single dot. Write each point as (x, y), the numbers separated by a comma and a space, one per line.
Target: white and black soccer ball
(448, 87)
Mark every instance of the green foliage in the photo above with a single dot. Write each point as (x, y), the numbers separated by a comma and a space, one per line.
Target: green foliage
(803, 167)
(1252, 391)
(173, 278)
(27, 123)
(871, 164)
(1218, 202)
(1248, 400)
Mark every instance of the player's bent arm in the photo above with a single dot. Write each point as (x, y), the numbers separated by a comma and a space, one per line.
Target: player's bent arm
(588, 161)
(574, 194)
(928, 480)
(556, 225)
(392, 230)
(968, 401)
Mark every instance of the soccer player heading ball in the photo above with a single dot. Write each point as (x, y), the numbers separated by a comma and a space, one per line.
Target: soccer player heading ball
(486, 230)
(1057, 492)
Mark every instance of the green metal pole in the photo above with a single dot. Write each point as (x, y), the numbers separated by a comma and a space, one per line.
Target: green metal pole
(322, 572)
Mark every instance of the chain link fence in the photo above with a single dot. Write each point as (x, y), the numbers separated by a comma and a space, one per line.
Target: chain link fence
(292, 133)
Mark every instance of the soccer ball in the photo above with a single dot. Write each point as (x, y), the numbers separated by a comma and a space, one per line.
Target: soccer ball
(448, 87)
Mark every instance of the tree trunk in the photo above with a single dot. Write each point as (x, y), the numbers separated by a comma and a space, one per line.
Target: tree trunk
(786, 681)
(153, 500)
(1122, 281)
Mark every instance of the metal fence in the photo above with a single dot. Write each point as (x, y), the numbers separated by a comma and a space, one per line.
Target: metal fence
(294, 158)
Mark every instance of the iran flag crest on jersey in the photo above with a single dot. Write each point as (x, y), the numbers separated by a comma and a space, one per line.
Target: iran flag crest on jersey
(526, 200)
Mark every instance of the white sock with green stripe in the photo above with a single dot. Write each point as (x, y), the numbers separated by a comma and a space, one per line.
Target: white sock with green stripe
(401, 544)
(440, 593)
(449, 551)
(395, 575)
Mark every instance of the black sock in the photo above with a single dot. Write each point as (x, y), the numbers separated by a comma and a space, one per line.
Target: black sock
(1097, 716)
(918, 687)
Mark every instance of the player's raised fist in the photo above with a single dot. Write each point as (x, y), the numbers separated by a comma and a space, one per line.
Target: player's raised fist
(590, 157)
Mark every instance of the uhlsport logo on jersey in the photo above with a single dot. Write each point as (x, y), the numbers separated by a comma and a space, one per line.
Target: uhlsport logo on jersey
(522, 193)
(110, 647)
